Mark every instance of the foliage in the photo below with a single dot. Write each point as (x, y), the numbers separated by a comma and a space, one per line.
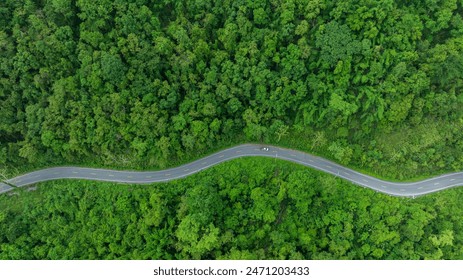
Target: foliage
(150, 82)
(248, 208)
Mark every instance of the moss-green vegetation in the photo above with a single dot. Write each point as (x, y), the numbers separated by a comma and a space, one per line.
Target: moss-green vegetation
(251, 208)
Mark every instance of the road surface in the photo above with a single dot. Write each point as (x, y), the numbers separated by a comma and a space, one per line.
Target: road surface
(413, 189)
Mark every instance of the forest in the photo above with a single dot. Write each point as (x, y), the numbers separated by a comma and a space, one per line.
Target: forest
(251, 208)
(147, 82)
(140, 84)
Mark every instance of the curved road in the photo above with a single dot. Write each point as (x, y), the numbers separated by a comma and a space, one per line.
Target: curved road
(146, 177)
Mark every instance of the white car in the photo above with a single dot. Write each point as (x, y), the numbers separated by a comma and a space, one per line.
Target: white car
(264, 149)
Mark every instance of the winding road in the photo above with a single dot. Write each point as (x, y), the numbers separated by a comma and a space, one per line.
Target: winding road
(413, 189)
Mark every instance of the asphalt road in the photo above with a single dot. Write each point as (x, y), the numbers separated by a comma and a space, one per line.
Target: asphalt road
(146, 177)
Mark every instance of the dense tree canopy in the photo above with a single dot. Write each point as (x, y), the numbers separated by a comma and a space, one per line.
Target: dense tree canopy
(374, 84)
(149, 81)
(246, 209)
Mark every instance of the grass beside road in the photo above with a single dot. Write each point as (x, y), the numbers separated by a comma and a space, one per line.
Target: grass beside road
(302, 139)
